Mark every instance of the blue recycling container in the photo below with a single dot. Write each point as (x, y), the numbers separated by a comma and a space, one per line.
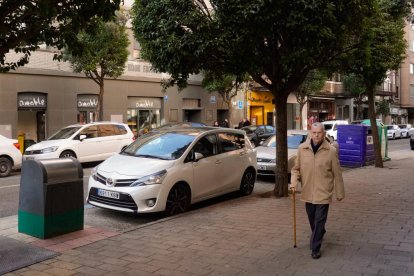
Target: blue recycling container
(356, 148)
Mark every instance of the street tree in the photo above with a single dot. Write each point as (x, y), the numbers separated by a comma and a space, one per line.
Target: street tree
(26, 24)
(354, 86)
(276, 42)
(313, 83)
(227, 86)
(104, 54)
(382, 49)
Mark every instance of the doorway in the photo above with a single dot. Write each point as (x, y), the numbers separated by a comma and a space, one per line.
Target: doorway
(32, 123)
(257, 115)
(192, 116)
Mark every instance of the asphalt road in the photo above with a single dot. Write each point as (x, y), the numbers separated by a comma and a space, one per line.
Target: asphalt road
(117, 221)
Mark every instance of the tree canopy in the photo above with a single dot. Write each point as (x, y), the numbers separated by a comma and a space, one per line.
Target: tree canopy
(276, 42)
(104, 54)
(382, 49)
(26, 24)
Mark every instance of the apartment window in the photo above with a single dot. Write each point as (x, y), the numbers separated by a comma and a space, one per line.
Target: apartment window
(411, 69)
(412, 91)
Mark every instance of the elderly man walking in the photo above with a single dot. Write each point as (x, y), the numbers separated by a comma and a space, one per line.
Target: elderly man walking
(317, 168)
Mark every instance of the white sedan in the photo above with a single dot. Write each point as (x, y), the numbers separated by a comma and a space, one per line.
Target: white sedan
(10, 155)
(393, 131)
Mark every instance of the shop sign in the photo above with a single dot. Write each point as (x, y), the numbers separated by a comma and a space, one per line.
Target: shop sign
(394, 111)
(88, 101)
(137, 102)
(31, 100)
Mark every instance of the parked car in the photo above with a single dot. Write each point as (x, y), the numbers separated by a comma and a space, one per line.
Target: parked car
(88, 143)
(258, 133)
(266, 153)
(10, 155)
(393, 131)
(331, 128)
(404, 130)
(172, 169)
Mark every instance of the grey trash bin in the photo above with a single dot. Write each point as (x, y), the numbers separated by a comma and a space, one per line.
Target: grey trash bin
(51, 197)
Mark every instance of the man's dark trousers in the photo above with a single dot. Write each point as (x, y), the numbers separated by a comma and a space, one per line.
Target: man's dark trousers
(317, 215)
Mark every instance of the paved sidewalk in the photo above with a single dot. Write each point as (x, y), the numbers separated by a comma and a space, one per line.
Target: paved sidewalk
(371, 232)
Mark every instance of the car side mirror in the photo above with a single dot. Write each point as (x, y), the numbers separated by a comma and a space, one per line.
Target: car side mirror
(82, 137)
(198, 156)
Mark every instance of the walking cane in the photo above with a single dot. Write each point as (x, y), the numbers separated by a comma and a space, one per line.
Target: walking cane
(294, 217)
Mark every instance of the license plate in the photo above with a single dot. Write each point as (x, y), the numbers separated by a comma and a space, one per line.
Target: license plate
(261, 168)
(30, 158)
(109, 194)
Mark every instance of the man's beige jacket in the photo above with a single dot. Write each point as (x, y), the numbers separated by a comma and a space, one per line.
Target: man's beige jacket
(319, 173)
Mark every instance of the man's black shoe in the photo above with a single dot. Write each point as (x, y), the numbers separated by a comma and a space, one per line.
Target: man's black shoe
(316, 254)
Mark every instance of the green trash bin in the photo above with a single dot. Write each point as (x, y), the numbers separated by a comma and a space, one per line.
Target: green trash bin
(382, 133)
(51, 199)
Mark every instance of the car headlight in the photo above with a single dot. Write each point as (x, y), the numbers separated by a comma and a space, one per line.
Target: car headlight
(151, 179)
(50, 149)
(94, 173)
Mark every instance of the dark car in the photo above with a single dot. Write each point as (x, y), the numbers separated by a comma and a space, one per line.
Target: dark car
(259, 133)
(412, 141)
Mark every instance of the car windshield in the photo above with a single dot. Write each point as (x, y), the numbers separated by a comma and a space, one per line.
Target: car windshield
(249, 129)
(328, 126)
(293, 141)
(166, 146)
(390, 127)
(64, 133)
(402, 126)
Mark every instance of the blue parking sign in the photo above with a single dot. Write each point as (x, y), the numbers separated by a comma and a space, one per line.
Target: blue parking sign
(240, 104)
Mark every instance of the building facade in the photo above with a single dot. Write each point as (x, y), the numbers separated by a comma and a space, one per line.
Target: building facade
(45, 95)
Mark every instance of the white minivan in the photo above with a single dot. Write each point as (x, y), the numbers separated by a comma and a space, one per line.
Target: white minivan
(87, 143)
(331, 128)
(172, 169)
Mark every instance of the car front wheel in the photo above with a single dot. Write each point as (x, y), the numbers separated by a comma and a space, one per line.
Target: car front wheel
(247, 183)
(67, 154)
(5, 166)
(178, 200)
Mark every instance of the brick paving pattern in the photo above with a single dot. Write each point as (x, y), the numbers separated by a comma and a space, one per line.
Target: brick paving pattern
(371, 232)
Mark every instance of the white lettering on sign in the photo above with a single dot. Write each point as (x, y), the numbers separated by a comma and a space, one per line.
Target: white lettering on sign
(134, 67)
(144, 104)
(90, 103)
(32, 102)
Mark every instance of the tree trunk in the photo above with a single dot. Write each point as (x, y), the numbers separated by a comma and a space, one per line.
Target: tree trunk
(281, 178)
(230, 112)
(374, 128)
(101, 97)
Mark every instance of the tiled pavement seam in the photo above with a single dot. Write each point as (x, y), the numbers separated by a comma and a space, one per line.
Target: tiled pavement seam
(369, 233)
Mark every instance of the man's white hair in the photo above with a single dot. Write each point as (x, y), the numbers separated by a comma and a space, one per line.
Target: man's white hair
(318, 125)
